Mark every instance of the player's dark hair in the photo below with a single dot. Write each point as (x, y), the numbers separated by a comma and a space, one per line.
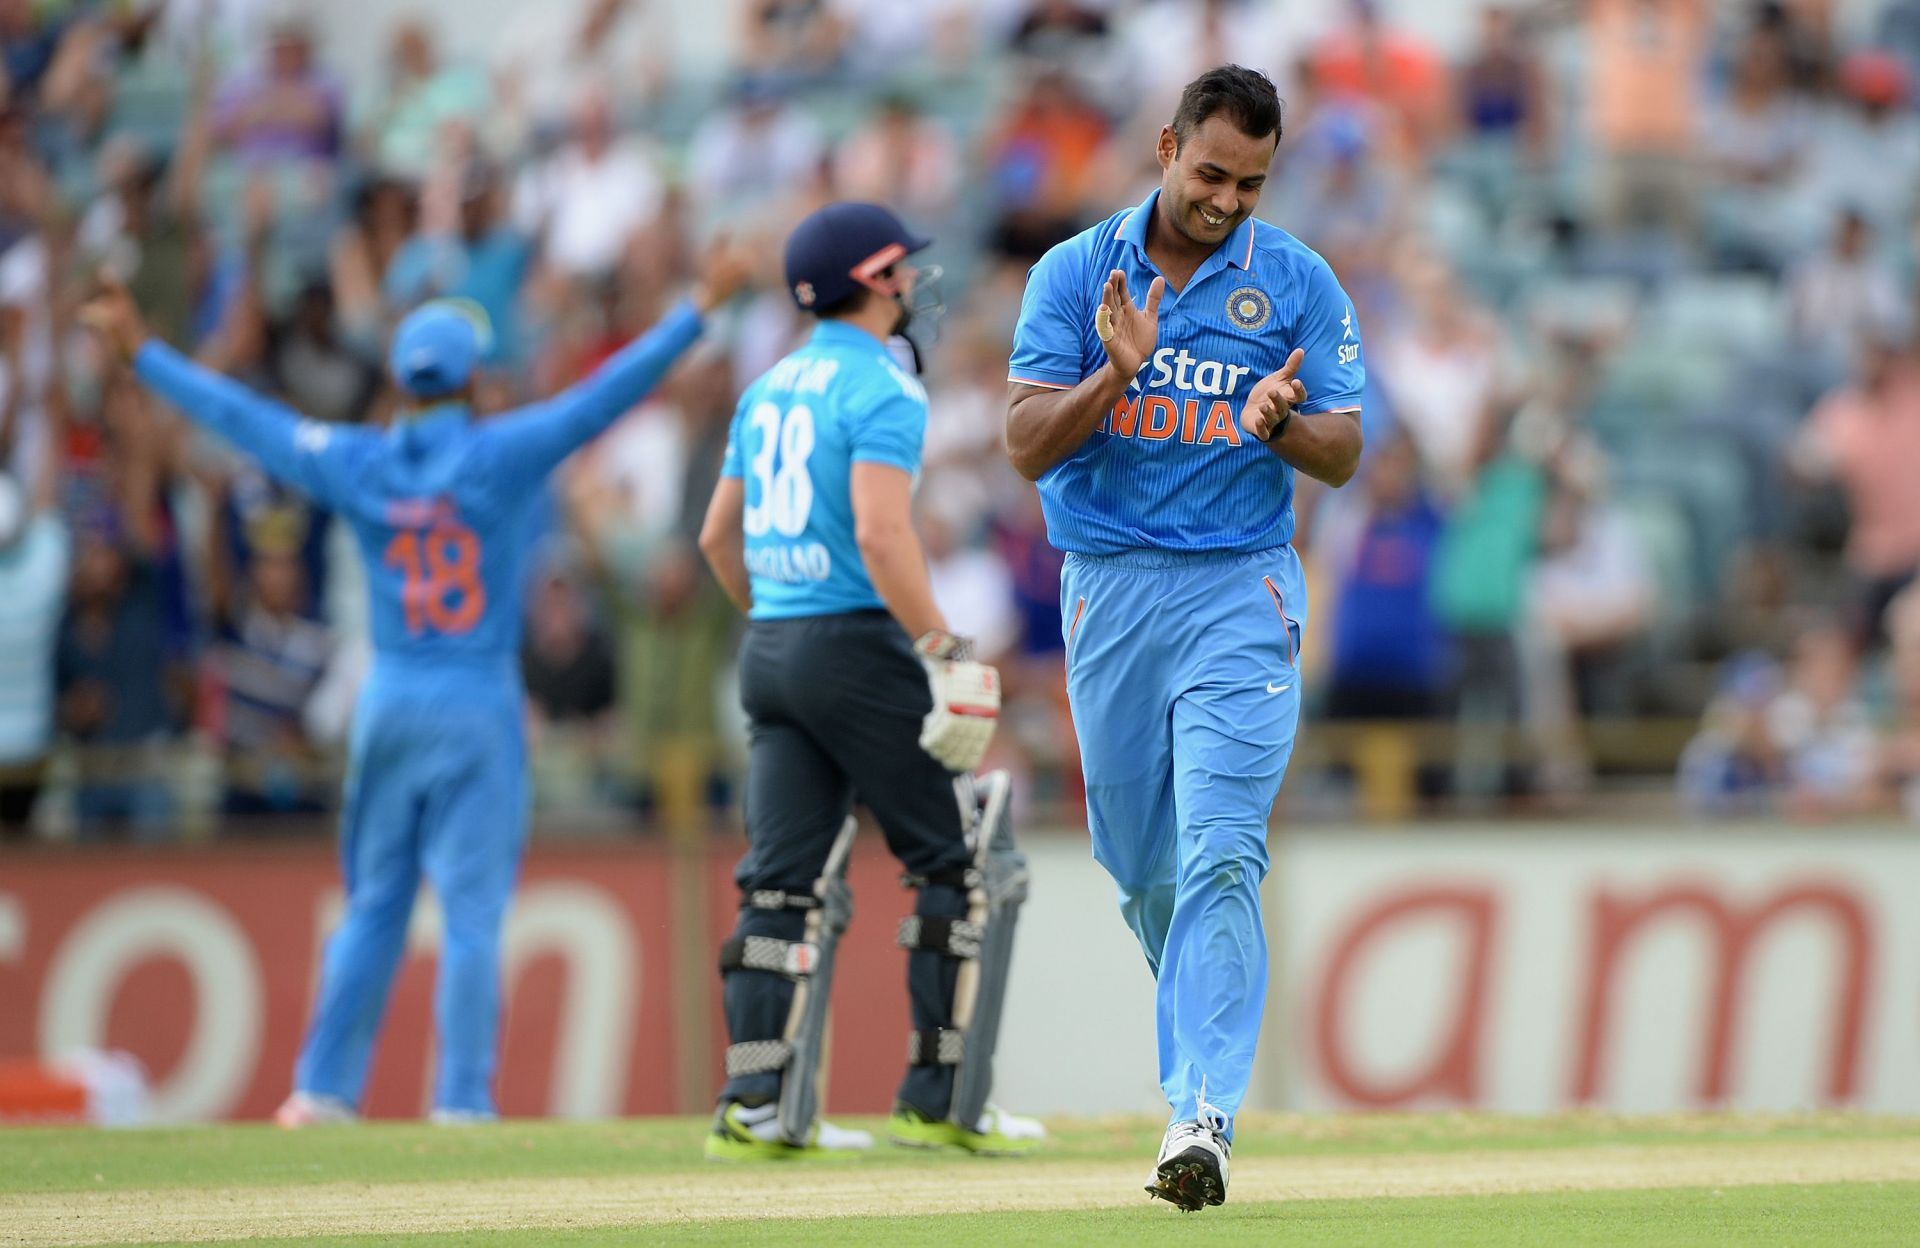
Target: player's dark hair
(1245, 96)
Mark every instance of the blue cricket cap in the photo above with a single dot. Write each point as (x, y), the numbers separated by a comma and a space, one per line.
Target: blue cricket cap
(437, 347)
(839, 248)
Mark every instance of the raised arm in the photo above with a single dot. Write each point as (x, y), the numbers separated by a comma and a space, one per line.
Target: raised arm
(304, 453)
(533, 441)
(1048, 419)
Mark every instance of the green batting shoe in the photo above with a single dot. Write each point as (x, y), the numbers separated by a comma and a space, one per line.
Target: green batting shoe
(1001, 1134)
(753, 1134)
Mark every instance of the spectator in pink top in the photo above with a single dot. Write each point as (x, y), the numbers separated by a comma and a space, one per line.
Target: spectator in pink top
(1865, 437)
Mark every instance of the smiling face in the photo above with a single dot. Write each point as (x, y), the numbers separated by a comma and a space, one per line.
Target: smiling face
(1212, 181)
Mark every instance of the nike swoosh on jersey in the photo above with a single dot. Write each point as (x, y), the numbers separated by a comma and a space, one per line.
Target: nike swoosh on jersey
(1273, 688)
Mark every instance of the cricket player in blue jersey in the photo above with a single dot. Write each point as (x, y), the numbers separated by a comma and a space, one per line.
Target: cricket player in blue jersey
(855, 691)
(1165, 438)
(436, 783)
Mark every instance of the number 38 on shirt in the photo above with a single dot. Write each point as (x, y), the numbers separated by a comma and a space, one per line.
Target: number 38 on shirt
(440, 568)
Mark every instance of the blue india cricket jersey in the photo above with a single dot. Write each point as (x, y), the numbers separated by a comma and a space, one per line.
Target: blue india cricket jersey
(839, 400)
(440, 505)
(1169, 468)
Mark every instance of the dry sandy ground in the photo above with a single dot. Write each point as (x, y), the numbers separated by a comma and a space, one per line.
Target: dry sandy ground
(713, 1193)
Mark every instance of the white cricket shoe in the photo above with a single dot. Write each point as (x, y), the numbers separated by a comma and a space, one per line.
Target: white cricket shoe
(314, 1109)
(753, 1134)
(1192, 1171)
(462, 1117)
(1016, 1127)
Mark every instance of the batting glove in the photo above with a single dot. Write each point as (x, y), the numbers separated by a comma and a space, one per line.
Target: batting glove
(966, 701)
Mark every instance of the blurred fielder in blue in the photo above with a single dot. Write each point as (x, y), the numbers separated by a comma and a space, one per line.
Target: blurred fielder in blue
(1164, 439)
(441, 506)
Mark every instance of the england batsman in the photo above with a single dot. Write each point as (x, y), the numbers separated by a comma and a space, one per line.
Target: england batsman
(1164, 438)
(440, 505)
(855, 691)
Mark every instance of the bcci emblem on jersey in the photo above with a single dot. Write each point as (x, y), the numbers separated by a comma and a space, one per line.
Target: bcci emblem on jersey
(1248, 308)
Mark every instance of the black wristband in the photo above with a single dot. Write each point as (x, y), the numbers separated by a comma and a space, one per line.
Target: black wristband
(1280, 429)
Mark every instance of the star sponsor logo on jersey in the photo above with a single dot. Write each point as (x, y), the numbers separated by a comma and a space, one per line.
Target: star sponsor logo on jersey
(1249, 308)
(1200, 421)
(1349, 346)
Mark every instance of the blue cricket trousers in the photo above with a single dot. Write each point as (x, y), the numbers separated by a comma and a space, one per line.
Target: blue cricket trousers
(1182, 672)
(436, 784)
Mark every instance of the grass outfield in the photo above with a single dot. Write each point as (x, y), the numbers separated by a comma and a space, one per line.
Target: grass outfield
(1447, 1179)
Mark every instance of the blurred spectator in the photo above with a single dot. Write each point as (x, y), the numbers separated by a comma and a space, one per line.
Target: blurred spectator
(1502, 88)
(1444, 368)
(591, 199)
(1820, 730)
(1761, 135)
(795, 41)
(570, 678)
(34, 555)
(901, 158)
(318, 372)
(973, 587)
(119, 688)
(1589, 594)
(362, 251)
(1731, 765)
(1169, 43)
(1868, 152)
(1038, 159)
(145, 228)
(1865, 437)
(421, 98)
(760, 149)
(27, 205)
(881, 38)
(1368, 60)
(1643, 104)
(567, 663)
(1061, 30)
(1842, 297)
(1480, 578)
(1900, 754)
(965, 478)
(30, 36)
(673, 627)
(467, 248)
(287, 109)
(1760, 128)
(1390, 654)
(267, 656)
(542, 62)
(1341, 195)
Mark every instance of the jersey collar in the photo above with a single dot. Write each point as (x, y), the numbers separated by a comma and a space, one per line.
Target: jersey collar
(1236, 251)
(432, 426)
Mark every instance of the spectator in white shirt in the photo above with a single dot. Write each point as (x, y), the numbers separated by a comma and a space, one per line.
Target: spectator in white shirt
(589, 201)
(760, 149)
(35, 551)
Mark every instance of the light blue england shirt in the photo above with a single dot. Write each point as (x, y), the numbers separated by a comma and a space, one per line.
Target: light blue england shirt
(795, 437)
(1169, 468)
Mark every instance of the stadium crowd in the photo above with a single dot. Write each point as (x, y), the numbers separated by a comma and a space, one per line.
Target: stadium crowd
(1637, 280)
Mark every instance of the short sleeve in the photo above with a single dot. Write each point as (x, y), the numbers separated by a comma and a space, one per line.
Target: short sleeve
(730, 465)
(1054, 313)
(893, 429)
(1334, 370)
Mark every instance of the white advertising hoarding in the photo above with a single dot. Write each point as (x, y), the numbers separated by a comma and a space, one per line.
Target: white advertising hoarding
(1633, 969)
